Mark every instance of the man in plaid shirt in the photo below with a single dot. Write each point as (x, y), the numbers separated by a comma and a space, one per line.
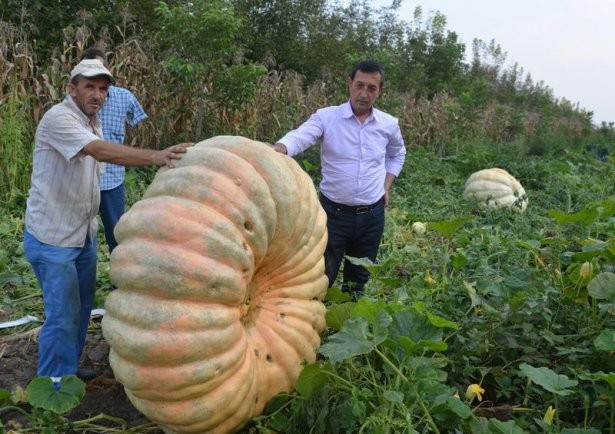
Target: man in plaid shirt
(120, 107)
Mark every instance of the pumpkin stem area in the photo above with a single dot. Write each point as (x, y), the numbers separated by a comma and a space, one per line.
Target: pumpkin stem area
(249, 307)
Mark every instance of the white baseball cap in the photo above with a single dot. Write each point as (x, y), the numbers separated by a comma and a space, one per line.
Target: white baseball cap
(91, 68)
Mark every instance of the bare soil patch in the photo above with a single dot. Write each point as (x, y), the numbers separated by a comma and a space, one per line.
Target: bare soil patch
(18, 361)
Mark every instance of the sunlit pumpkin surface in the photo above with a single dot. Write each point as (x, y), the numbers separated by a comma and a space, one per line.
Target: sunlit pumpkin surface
(220, 278)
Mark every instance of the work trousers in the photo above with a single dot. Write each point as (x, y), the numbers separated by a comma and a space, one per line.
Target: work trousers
(355, 232)
(67, 276)
(112, 205)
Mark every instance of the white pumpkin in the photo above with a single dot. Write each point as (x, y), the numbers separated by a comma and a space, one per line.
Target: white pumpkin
(419, 228)
(496, 188)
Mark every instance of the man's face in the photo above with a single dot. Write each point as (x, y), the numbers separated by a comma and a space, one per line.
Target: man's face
(89, 94)
(364, 90)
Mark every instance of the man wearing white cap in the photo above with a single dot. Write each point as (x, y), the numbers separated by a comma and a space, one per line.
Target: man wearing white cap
(63, 201)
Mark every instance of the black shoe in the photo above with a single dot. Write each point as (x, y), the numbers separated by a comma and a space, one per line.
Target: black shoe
(87, 374)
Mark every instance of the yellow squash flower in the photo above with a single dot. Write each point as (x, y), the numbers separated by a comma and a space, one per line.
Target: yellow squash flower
(429, 281)
(549, 414)
(587, 270)
(474, 390)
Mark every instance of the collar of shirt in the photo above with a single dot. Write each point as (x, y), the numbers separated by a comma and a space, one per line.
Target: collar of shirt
(348, 113)
(94, 123)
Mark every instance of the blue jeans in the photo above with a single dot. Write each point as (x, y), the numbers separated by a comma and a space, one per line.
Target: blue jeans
(351, 234)
(67, 276)
(112, 205)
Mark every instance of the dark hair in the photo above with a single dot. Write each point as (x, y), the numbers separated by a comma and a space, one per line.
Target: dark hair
(369, 67)
(93, 53)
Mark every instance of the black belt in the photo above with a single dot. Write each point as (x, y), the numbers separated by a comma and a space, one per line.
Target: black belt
(353, 209)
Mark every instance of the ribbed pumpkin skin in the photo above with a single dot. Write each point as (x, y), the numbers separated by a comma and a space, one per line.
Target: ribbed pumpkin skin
(220, 277)
(496, 188)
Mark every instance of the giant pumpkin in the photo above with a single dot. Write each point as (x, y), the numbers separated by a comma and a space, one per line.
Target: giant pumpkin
(496, 188)
(220, 278)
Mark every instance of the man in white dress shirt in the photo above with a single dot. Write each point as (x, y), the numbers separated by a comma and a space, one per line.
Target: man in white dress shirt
(362, 152)
(60, 223)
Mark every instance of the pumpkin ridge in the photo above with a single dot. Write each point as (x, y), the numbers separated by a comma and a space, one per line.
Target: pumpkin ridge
(204, 375)
(282, 327)
(183, 313)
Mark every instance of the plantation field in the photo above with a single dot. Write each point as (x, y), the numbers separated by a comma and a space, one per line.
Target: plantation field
(491, 321)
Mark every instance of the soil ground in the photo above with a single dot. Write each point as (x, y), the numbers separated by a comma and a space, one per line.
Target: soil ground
(18, 361)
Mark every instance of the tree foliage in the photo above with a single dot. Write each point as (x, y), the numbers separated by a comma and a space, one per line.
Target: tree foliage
(216, 52)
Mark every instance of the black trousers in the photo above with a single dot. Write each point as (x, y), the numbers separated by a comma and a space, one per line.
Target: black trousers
(355, 232)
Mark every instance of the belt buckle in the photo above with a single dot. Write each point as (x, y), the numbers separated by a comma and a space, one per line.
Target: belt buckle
(362, 209)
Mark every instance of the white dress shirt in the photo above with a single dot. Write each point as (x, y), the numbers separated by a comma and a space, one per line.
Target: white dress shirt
(355, 156)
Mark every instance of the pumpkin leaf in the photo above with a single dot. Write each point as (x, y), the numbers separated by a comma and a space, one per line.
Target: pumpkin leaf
(448, 227)
(586, 216)
(602, 286)
(311, 380)
(415, 326)
(411, 347)
(338, 314)
(438, 321)
(458, 407)
(548, 379)
(458, 260)
(393, 396)
(592, 250)
(41, 393)
(353, 339)
(509, 427)
(605, 341)
(368, 309)
(336, 295)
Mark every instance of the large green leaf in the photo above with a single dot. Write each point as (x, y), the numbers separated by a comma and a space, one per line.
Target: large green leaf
(336, 295)
(602, 286)
(440, 322)
(605, 340)
(368, 309)
(549, 380)
(393, 396)
(592, 250)
(311, 380)
(458, 407)
(586, 216)
(414, 325)
(448, 227)
(338, 314)
(41, 393)
(355, 338)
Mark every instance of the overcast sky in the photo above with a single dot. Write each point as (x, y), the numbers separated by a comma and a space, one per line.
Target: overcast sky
(567, 44)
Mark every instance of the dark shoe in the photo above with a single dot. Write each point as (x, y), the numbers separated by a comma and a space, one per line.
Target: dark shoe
(87, 374)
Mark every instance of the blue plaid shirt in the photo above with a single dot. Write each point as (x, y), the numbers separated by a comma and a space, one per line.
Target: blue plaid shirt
(120, 107)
